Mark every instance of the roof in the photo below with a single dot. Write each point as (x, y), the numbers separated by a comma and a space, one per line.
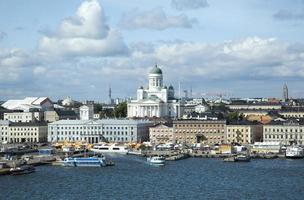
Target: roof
(28, 124)
(243, 122)
(26, 103)
(156, 70)
(102, 121)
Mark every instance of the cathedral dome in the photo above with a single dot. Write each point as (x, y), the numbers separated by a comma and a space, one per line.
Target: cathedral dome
(156, 70)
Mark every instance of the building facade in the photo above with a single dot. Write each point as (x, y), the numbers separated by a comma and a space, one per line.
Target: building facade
(161, 134)
(244, 132)
(155, 101)
(22, 132)
(199, 131)
(285, 132)
(94, 131)
(23, 116)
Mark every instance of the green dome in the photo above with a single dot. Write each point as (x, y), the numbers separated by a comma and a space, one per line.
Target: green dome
(156, 70)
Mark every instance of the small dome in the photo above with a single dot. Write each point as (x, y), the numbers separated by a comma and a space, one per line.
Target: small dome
(141, 87)
(165, 87)
(171, 87)
(156, 70)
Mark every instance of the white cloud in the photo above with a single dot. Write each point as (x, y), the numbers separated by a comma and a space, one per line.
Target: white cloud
(85, 34)
(89, 22)
(189, 4)
(154, 19)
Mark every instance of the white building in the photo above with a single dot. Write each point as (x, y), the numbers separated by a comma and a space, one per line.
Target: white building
(94, 131)
(285, 132)
(29, 103)
(155, 101)
(23, 116)
(86, 112)
(22, 132)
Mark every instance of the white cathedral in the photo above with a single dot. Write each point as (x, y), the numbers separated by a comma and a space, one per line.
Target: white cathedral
(155, 101)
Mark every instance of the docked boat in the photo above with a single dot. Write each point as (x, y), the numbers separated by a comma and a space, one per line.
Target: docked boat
(229, 159)
(156, 160)
(294, 152)
(24, 169)
(85, 162)
(242, 158)
(109, 148)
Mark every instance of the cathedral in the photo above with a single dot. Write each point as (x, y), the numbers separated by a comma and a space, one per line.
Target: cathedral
(155, 101)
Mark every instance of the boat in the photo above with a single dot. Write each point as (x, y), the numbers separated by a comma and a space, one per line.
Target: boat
(242, 158)
(156, 160)
(85, 162)
(23, 169)
(109, 148)
(294, 152)
(229, 159)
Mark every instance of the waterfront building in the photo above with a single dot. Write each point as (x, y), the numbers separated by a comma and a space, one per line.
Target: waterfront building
(155, 101)
(29, 103)
(161, 133)
(244, 132)
(285, 132)
(23, 116)
(21, 132)
(199, 131)
(94, 131)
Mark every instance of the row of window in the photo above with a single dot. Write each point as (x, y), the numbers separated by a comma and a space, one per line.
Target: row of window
(200, 125)
(283, 136)
(91, 127)
(282, 130)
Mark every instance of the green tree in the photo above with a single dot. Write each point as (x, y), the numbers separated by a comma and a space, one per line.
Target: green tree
(120, 110)
(97, 108)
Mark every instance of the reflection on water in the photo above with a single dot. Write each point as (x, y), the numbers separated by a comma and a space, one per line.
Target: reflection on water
(133, 178)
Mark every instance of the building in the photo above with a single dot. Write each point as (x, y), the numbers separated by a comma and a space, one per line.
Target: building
(94, 131)
(161, 133)
(29, 103)
(56, 115)
(21, 132)
(23, 116)
(86, 112)
(155, 101)
(285, 132)
(268, 106)
(199, 131)
(244, 132)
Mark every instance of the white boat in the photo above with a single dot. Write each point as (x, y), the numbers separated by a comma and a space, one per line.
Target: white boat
(85, 162)
(242, 158)
(109, 148)
(294, 152)
(156, 160)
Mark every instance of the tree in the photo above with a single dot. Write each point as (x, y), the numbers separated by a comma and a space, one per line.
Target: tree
(120, 110)
(97, 108)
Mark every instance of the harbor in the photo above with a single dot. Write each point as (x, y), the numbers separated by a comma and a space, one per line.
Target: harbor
(66, 154)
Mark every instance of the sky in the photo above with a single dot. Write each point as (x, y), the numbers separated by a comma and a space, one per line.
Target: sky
(80, 48)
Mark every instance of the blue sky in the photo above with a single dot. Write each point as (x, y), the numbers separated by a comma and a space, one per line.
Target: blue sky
(78, 48)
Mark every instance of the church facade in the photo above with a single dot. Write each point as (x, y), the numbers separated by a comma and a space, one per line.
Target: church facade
(156, 100)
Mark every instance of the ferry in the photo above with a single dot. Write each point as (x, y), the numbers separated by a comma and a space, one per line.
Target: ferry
(109, 148)
(156, 160)
(294, 152)
(85, 162)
